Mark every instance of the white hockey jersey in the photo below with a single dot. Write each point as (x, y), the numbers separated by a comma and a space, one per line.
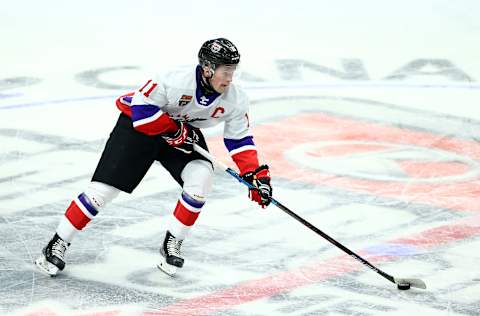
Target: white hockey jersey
(177, 95)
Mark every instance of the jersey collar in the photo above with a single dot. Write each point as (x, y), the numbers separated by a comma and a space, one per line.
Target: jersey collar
(203, 97)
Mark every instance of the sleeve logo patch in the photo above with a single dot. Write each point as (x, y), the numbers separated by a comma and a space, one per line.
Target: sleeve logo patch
(184, 100)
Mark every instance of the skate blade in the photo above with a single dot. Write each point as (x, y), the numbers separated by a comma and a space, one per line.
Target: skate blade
(167, 268)
(46, 267)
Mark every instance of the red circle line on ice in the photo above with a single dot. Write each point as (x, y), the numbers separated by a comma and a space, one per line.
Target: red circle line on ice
(368, 157)
(384, 161)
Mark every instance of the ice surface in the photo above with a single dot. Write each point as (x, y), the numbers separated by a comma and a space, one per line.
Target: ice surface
(366, 111)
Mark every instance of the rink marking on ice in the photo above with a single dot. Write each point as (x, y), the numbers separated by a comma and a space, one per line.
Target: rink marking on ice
(268, 286)
(59, 101)
(315, 272)
(367, 85)
(9, 95)
(280, 86)
(340, 153)
(309, 274)
(392, 250)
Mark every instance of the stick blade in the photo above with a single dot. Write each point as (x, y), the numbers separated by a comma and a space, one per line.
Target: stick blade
(413, 282)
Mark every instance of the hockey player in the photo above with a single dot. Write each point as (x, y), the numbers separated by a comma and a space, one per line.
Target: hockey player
(161, 121)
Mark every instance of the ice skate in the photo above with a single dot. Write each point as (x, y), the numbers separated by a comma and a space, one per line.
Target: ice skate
(170, 256)
(52, 259)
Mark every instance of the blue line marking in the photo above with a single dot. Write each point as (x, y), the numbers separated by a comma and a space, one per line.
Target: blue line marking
(49, 102)
(392, 250)
(382, 85)
(366, 85)
(9, 95)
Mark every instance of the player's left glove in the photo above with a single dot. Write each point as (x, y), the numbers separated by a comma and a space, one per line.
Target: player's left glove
(260, 180)
(183, 139)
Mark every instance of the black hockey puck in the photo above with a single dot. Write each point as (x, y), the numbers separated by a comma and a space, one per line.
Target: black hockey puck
(403, 286)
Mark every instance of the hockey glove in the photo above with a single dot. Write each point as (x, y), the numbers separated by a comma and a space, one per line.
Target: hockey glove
(260, 180)
(183, 139)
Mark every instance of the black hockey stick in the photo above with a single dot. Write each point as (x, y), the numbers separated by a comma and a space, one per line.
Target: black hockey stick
(402, 283)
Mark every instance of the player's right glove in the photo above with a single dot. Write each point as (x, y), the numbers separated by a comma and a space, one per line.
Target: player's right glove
(183, 139)
(260, 180)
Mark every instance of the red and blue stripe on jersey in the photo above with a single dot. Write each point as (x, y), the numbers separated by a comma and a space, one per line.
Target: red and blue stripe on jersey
(146, 118)
(243, 153)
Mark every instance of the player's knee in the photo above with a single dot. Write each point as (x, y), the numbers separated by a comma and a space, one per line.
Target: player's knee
(100, 194)
(197, 179)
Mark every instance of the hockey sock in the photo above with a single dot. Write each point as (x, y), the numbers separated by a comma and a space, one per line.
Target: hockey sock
(186, 213)
(77, 216)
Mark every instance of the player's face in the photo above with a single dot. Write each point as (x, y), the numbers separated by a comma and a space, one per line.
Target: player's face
(222, 77)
